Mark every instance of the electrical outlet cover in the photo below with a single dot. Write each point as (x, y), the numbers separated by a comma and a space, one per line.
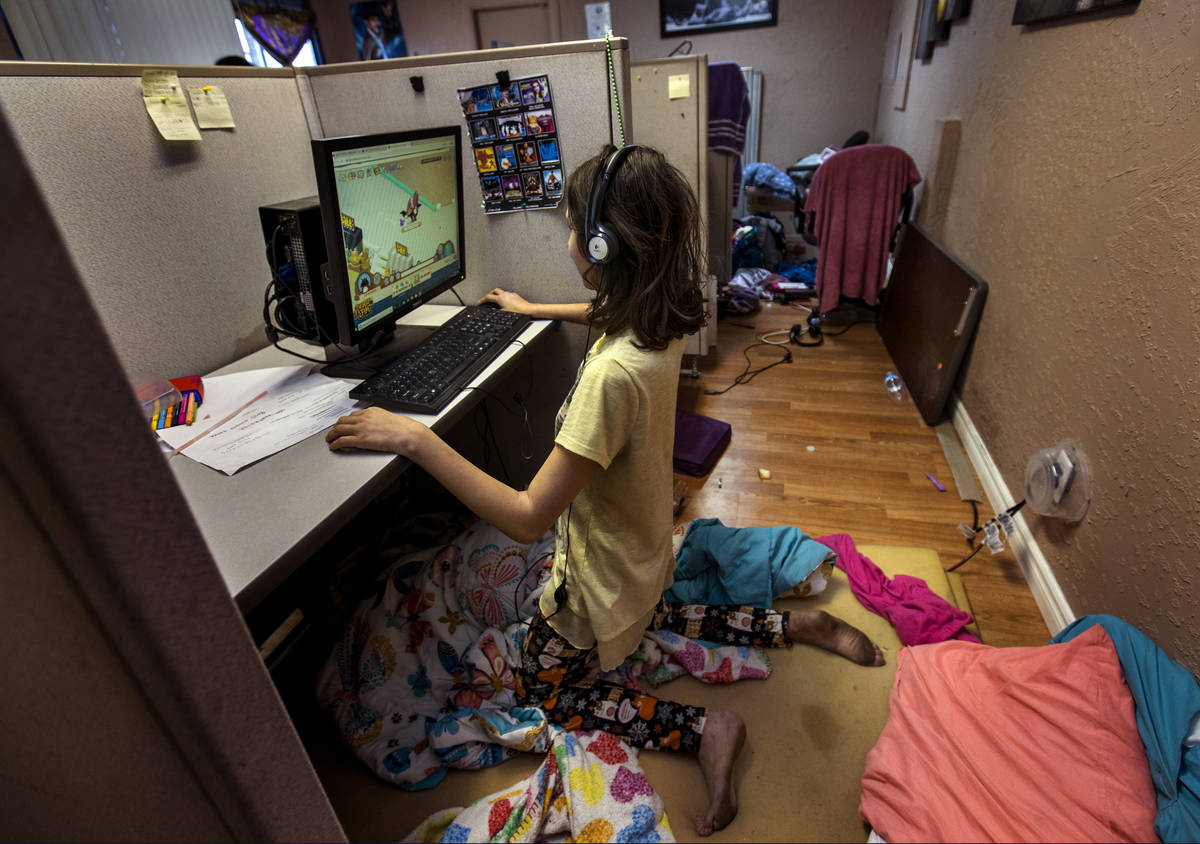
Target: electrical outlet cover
(1058, 483)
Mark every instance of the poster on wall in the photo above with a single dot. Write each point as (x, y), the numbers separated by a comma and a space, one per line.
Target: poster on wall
(514, 140)
(377, 30)
(696, 17)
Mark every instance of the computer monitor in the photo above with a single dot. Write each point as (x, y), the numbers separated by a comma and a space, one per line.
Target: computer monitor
(391, 207)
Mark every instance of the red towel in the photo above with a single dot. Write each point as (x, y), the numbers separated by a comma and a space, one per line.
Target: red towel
(919, 614)
(855, 205)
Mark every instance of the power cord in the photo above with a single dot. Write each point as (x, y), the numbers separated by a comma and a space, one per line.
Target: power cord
(284, 320)
(488, 435)
(746, 375)
(527, 428)
(991, 530)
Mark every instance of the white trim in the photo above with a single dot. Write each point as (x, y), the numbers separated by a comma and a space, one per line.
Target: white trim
(1056, 612)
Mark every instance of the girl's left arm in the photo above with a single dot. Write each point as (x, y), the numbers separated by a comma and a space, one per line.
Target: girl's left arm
(523, 515)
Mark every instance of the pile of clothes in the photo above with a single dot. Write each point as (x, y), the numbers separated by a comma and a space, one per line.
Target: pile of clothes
(760, 271)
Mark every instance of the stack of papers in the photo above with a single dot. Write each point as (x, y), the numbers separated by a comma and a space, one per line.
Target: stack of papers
(247, 416)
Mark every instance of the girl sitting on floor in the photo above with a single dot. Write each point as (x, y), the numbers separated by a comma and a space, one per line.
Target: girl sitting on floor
(634, 237)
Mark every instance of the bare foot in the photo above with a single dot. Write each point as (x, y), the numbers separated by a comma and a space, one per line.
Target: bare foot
(817, 627)
(720, 743)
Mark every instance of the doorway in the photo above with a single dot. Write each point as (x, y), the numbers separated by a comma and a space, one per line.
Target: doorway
(512, 26)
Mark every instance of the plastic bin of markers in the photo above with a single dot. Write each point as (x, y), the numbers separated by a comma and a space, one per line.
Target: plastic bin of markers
(157, 395)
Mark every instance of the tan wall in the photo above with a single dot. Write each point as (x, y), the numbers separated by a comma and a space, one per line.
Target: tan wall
(822, 64)
(446, 26)
(1075, 196)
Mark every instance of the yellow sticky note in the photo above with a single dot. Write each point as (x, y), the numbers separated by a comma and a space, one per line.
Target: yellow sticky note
(167, 106)
(212, 107)
(160, 83)
(172, 117)
(679, 87)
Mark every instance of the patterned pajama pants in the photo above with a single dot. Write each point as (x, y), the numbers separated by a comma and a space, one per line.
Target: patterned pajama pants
(552, 676)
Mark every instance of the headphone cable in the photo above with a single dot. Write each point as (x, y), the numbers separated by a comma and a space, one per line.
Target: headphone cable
(560, 591)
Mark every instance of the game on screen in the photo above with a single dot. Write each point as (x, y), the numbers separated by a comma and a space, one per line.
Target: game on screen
(399, 222)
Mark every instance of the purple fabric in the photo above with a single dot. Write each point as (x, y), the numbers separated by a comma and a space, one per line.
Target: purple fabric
(919, 615)
(728, 113)
(281, 32)
(728, 107)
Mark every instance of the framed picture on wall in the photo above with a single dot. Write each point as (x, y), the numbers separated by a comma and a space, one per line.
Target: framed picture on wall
(694, 17)
(377, 30)
(1036, 11)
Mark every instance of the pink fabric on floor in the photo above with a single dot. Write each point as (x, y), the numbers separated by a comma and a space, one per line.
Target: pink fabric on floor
(919, 615)
(1010, 744)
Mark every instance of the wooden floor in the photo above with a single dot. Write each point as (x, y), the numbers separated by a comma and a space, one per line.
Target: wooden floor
(843, 457)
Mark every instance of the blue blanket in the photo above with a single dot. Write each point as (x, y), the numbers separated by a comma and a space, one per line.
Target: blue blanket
(1167, 698)
(748, 566)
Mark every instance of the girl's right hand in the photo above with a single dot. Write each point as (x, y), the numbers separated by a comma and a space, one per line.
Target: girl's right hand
(507, 300)
(376, 429)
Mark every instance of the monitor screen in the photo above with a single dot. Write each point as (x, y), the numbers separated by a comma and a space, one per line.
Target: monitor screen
(391, 204)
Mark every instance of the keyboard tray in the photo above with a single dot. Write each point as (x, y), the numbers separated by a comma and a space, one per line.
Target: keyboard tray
(428, 376)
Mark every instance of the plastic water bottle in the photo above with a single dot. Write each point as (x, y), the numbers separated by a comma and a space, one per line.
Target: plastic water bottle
(894, 386)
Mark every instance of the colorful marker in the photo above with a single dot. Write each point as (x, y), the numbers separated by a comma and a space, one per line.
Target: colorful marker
(934, 481)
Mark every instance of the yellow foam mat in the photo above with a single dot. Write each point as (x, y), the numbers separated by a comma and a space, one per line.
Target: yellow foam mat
(809, 727)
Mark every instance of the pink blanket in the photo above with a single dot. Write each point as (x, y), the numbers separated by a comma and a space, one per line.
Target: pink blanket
(1010, 744)
(919, 615)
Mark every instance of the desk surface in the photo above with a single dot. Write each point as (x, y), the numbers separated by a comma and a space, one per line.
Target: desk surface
(264, 521)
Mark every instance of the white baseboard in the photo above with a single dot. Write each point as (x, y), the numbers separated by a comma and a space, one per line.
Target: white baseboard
(1056, 612)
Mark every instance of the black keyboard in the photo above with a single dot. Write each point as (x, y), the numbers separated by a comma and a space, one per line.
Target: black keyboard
(428, 376)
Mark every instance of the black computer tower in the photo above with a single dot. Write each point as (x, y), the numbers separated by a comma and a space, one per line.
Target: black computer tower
(295, 238)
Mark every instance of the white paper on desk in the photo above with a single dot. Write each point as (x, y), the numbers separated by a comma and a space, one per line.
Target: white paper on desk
(297, 405)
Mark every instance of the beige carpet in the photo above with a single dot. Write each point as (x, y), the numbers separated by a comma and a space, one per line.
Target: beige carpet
(809, 726)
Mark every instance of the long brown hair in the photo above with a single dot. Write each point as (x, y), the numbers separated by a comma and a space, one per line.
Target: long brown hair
(653, 285)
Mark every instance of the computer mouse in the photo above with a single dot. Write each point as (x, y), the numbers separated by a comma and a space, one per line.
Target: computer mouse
(490, 304)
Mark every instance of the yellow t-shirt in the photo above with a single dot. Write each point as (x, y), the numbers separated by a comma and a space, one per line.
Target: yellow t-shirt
(620, 414)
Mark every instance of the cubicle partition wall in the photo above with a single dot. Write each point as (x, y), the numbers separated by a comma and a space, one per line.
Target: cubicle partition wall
(670, 98)
(143, 709)
(524, 250)
(137, 707)
(165, 234)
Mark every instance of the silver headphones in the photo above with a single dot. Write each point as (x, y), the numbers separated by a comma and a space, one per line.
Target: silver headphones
(602, 243)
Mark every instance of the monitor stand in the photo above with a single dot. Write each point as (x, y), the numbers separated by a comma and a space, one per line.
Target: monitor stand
(380, 350)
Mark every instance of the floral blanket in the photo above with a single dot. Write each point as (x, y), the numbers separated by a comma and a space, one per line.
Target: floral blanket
(589, 788)
(421, 679)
